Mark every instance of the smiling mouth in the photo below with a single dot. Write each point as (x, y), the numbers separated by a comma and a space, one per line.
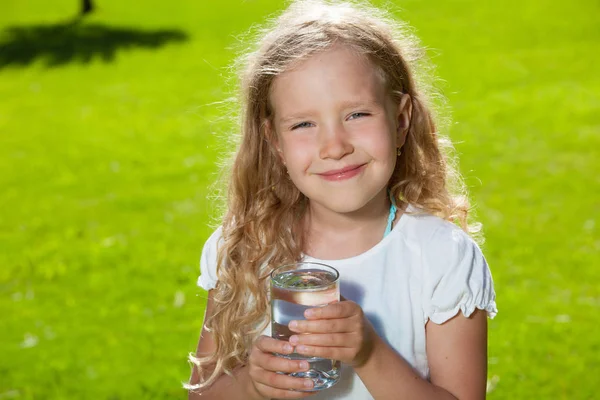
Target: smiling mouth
(344, 173)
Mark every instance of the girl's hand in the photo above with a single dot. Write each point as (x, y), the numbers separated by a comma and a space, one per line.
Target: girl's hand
(264, 367)
(337, 331)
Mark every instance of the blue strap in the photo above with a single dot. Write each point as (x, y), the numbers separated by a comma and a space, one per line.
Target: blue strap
(391, 217)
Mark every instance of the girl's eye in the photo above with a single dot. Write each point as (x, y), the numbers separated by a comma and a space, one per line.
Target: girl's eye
(302, 125)
(358, 115)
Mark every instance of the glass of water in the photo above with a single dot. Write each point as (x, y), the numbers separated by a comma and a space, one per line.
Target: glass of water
(295, 288)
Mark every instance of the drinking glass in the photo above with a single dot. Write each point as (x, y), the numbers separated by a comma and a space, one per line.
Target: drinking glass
(295, 288)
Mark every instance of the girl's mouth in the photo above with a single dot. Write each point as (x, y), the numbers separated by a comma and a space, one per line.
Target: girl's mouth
(343, 173)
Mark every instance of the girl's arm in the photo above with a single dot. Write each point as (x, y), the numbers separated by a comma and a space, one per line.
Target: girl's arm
(225, 387)
(457, 357)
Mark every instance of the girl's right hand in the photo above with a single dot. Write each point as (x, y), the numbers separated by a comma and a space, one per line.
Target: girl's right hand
(264, 367)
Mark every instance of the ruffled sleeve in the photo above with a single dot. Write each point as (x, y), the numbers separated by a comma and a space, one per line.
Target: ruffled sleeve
(208, 262)
(456, 276)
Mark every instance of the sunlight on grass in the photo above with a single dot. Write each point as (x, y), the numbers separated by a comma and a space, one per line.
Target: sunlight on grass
(107, 164)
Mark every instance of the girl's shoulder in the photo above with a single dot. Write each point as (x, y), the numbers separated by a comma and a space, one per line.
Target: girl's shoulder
(443, 245)
(208, 260)
(431, 230)
(454, 271)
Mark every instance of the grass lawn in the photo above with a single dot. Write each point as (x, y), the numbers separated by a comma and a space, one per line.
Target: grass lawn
(109, 134)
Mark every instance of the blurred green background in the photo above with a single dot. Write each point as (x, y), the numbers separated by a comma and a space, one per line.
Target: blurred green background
(110, 129)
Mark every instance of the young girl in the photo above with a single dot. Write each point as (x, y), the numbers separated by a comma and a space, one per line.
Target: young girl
(340, 163)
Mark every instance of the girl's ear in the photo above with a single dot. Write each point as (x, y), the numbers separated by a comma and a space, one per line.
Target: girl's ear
(403, 118)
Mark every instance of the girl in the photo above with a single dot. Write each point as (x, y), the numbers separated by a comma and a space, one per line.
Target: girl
(340, 163)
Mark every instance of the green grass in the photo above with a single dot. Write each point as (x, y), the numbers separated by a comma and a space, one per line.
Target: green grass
(105, 169)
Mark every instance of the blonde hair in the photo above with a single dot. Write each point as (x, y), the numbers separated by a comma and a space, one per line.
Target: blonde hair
(264, 209)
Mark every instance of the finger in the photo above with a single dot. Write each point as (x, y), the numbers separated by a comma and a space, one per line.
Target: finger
(282, 381)
(345, 325)
(273, 363)
(333, 353)
(326, 339)
(269, 345)
(342, 309)
(274, 393)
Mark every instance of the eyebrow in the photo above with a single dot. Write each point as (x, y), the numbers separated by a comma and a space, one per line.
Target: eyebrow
(345, 105)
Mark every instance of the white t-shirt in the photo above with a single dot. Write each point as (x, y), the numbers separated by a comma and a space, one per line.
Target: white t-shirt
(425, 269)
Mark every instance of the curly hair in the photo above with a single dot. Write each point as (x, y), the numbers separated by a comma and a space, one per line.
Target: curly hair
(260, 226)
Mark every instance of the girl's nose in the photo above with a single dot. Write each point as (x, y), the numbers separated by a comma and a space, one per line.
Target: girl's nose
(334, 143)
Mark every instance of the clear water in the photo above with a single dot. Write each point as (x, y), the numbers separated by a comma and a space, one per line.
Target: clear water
(291, 294)
(324, 372)
(304, 279)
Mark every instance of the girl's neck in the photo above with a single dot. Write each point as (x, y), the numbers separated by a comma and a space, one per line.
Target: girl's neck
(330, 235)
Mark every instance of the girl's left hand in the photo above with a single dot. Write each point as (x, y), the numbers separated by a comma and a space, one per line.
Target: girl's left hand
(338, 331)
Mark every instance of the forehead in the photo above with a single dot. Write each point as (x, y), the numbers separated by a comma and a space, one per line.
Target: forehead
(336, 75)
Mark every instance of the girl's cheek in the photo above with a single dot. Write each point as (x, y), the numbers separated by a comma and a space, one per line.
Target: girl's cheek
(302, 141)
(300, 151)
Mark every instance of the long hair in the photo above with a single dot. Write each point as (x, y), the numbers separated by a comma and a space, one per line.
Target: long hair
(264, 209)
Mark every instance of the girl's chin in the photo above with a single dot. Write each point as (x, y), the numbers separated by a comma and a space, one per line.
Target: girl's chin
(343, 205)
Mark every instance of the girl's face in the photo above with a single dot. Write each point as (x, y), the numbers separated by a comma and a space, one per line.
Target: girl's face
(337, 130)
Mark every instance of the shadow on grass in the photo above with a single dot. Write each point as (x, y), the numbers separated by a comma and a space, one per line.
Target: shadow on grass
(75, 41)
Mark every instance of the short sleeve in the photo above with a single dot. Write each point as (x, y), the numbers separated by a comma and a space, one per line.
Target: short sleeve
(208, 262)
(456, 276)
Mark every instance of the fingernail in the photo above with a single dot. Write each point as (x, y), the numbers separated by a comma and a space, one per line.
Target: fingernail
(287, 347)
(303, 364)
(293, 325)
(309, 313)
(294, 340)
(308, 383)
(300, 349)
